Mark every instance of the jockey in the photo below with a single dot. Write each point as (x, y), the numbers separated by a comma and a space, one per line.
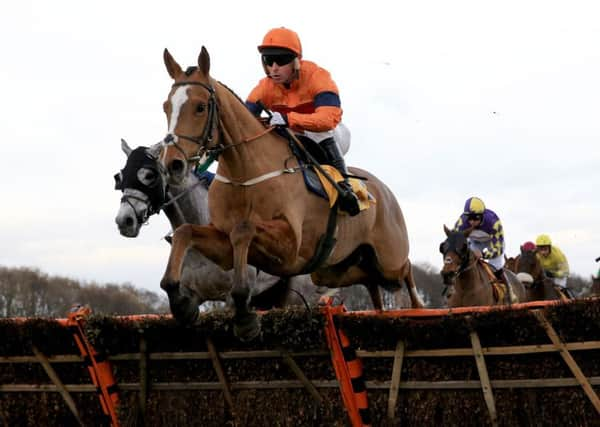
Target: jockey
(304, 98)
(553, 261)
(528, 247)
(487, 238)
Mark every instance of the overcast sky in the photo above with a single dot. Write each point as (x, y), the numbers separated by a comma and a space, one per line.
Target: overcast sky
(445, 100)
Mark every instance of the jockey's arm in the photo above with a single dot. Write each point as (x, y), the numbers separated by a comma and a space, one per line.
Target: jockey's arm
(326, 116)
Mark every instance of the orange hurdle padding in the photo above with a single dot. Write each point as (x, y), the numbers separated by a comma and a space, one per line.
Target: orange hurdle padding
(353, 396)
(98, 366)
(355, 370)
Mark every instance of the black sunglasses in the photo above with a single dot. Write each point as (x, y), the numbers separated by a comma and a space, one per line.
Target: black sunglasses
(475, 217)
(281, 59)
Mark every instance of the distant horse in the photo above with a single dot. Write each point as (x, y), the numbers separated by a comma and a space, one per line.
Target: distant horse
(261, 211)
(473, 282)
(530, 272)
(595, 291)
(145, 193)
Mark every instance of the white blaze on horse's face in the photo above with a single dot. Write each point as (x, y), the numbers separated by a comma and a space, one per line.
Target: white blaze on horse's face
(448, 260)
(177, 100)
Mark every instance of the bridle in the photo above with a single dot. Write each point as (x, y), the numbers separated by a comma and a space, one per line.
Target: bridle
(463, 267)
(152, 196)
(150, 210)
(205, 139)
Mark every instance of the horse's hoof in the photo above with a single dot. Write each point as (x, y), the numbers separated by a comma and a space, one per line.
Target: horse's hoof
(247, 327)
(169, 285)
(185, 317)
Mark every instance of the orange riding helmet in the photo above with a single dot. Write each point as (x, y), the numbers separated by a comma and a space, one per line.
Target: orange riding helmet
(281, 39)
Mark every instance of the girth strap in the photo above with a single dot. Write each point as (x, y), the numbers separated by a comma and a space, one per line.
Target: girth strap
(325, 244)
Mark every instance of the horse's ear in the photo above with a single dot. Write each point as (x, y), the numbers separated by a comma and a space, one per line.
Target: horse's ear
(173, 67)
(155, 149)
(468, 231)
(446, 230)
(204, 61)
(125, 147)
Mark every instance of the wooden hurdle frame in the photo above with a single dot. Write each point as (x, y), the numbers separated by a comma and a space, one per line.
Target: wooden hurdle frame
(101, 379)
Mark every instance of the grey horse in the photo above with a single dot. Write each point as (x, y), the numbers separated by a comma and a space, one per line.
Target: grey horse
(145, 193)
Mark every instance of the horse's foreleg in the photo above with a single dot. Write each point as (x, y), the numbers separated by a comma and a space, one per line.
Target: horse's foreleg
(208, 240)
(246, 323)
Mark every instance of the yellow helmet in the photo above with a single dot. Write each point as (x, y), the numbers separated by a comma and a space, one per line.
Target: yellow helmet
(474, 205)
(543, 240)
(281, 39)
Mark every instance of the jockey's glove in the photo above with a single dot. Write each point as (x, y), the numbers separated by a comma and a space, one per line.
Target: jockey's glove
(278, 119)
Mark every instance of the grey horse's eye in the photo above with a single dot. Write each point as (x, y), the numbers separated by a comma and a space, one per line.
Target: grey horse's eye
(147, 176)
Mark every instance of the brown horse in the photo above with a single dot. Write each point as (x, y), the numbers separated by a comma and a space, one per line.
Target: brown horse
(473, 282)
(531, 273)
(595, 290)
(262, 212)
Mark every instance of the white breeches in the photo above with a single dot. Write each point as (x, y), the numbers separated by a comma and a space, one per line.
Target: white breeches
(496, 262)
(341, 135)
(560, 281)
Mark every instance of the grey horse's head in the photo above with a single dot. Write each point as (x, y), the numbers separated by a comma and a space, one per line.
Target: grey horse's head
(143, 186)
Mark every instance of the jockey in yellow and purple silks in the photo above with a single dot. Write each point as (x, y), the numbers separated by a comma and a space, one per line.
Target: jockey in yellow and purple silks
(553, 261)
(303, 97)
(487, 237)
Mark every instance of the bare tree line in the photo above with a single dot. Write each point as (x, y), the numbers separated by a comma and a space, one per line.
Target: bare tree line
(27, 292)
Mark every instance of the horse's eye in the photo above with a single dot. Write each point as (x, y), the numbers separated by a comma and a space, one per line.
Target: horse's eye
(200, 108)
(147, 177)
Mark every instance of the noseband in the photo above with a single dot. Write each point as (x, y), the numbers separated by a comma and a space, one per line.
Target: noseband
(464, 266)
(205, 139)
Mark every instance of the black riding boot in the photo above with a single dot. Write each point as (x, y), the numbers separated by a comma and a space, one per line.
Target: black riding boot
(501, 276)
(348, 200)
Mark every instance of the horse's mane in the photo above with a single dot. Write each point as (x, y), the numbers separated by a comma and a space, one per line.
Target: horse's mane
(232, 92)
(192, 69)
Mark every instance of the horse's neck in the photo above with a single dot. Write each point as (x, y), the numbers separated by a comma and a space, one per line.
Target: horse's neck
(191, 204)
(470, 278)
(472, 285)
(260, 154)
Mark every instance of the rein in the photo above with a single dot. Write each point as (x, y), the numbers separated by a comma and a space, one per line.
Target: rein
(183, 193)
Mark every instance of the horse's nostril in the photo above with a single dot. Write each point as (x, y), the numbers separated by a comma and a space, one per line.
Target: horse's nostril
(177, 167)
(129, 221)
